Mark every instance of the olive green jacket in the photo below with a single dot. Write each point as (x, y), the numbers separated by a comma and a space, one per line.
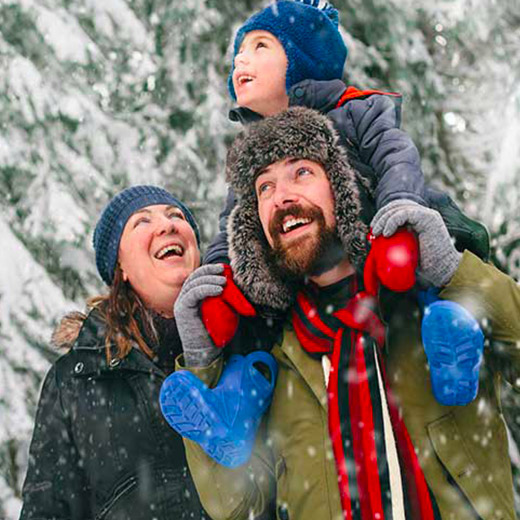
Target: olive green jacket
(463, 450)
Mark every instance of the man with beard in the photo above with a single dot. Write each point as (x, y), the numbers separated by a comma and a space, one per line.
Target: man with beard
(294, 253)
(353, 430)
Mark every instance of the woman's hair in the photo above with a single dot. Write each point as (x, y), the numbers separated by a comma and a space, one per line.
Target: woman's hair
(126, 319)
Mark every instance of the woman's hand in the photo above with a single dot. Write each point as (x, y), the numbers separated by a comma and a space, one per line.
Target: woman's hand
(205, 281)
(438, 258)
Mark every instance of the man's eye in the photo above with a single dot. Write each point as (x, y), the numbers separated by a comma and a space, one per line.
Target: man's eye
(176, 214)
(260, 45)
(301, 172)
(263, 188)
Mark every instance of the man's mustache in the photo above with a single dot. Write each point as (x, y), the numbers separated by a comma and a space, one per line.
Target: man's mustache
(295, 210)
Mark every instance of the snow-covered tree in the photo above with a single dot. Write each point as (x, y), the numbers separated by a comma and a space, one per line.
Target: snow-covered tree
(96, 95)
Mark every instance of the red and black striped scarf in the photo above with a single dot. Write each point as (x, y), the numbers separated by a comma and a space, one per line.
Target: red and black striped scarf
(353, 338)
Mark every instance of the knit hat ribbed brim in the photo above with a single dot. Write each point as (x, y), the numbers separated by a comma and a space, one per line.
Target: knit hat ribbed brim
(111, 224)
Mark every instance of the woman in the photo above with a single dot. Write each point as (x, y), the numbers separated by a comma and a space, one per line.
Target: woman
(101, 448)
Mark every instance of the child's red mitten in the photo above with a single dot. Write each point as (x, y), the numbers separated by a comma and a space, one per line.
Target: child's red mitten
(392, 262)
(220, 313)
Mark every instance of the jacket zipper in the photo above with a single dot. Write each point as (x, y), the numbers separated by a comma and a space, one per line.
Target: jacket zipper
(118, 493)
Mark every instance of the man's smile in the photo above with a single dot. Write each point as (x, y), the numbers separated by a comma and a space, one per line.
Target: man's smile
(291, 223)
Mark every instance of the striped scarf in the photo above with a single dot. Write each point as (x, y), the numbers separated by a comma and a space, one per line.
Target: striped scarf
(378, 471)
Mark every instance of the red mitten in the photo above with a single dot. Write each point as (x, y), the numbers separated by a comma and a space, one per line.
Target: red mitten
(220, 320)
(392, 262)
(220, 313)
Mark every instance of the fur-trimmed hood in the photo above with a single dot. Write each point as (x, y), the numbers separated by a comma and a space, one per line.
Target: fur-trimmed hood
(296, 133)
(67, 331)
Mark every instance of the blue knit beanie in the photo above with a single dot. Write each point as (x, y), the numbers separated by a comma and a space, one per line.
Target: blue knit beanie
(309, 36)
(111, 224)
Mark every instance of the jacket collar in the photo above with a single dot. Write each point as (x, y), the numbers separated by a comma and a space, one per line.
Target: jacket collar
(320, 95)
(309, 368)
(89, 348)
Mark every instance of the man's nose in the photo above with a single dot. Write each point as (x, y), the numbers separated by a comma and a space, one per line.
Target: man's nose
(284, 194)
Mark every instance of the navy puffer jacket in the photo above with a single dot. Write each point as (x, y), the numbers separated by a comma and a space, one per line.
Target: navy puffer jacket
(384, 157)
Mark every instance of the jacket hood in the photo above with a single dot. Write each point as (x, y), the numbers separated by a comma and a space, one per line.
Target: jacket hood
(296, 133)
(79, 330)
(67, 331)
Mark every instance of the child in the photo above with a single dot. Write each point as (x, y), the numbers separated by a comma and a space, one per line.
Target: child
(291, 53)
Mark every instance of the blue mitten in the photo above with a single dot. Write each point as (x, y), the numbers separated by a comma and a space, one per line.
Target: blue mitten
(223, 420)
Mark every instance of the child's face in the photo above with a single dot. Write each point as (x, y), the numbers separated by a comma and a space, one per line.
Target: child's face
(259, 75)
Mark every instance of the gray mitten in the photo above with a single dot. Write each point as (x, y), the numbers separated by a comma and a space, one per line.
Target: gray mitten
(438, 258)
(199, 350)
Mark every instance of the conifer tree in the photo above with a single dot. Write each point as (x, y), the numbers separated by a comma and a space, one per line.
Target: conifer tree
(98, 95)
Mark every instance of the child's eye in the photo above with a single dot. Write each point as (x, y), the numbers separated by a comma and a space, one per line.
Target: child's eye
(260, 45)
(176, 214)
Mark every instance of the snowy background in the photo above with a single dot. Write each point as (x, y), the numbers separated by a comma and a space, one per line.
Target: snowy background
(96, 95)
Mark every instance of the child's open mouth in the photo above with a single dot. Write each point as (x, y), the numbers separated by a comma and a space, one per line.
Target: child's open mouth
(242, 79)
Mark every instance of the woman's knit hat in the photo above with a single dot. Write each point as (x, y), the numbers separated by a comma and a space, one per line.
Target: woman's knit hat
(111, 224)
(298, 133)
(308, 34)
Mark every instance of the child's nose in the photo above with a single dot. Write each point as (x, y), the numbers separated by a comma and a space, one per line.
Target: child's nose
(241, 57)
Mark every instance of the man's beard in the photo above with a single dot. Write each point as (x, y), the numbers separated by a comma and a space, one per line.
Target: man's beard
(311, 254)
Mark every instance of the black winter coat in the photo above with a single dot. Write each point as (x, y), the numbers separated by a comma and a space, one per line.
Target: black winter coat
(101, 448)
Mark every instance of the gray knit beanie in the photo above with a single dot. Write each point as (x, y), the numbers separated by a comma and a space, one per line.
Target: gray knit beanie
(298, 133)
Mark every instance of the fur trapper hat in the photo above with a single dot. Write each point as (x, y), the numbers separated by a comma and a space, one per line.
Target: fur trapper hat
(298, 133)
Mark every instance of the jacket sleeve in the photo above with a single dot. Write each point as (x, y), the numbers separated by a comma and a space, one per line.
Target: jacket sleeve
(494, 298)
(371, 127)
(218, 250)
(55, 485)
(243, 493)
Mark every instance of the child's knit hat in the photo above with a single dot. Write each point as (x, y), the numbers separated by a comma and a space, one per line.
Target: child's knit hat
(308, 34)
(111, 224)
